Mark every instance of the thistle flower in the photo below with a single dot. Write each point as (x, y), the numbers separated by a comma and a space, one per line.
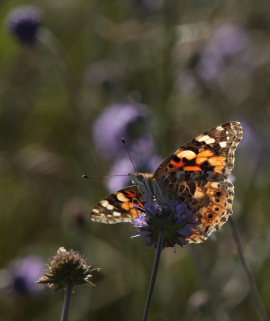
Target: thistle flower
(24, 22)
(176, 220)
(67, 267)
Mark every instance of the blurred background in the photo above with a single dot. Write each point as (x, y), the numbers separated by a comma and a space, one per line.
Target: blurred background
(75, 77)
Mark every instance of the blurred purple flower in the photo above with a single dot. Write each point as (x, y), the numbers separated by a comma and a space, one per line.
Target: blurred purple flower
(229, 46)
(22, 275)
(175, 219)
(124, 167)
(24, 22)
(130, 121)
(227, 63)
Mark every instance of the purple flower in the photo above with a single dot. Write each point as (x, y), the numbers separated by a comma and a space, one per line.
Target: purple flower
(130, 121)
(22, 275)
(24, 22)
(175, 219)
(229, 50)
(123, 166)
(226, 63)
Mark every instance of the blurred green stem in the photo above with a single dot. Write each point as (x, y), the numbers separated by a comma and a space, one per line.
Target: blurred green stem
(252, 284)
(67, 300)
(51, 43)
(53, 46)
(154, 275)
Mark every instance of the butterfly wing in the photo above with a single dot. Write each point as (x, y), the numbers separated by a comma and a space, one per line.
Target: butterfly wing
(118, 207)
(212, 151)
(198, 174)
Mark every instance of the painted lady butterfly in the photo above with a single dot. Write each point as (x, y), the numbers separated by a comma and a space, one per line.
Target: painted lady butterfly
(196, 173)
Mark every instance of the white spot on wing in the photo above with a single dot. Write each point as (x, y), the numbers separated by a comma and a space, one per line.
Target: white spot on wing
(203, 138)
(210, 141)
(104, 203)
(220, 128)
(222, 144)
(188, 154)
(121, 197)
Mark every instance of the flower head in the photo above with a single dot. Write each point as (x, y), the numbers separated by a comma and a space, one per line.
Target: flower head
(130, 121)
(67, 267)
(24, 22)
(175, 219)
(22, 274)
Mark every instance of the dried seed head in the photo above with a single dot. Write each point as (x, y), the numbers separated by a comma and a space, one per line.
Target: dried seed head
(67, 267)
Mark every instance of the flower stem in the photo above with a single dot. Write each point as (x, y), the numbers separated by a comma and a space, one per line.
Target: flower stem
(67, 300)
(154, 275)
(51, 43)
(252, 284)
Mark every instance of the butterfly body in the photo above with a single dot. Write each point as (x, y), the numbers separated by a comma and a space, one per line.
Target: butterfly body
(196, 173)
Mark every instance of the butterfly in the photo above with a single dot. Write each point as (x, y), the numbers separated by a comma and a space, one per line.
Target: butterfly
(196, 173)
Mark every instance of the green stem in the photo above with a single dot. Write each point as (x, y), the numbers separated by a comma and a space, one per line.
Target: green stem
(252, 284)
(154, 275)
(67, 300)
(51, 43)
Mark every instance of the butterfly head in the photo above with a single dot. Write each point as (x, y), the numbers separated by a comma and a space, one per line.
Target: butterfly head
(149, 187)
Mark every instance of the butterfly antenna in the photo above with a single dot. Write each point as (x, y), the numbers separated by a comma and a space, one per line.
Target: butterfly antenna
(101, 176)
(125, 144)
